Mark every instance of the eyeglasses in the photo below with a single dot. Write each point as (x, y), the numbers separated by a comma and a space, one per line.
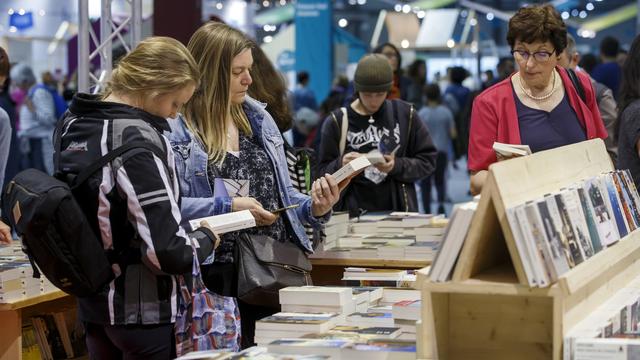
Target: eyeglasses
(539, 56)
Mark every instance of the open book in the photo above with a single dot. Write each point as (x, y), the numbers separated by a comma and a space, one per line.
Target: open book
(376, 156)
(508, 151)
(228, 222)
(352, 167)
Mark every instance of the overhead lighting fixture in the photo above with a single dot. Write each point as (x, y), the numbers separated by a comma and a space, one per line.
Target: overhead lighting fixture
(490, 16)
(575, 12)
(421, 14)
(21, 12)
(473, 22)
(352, 2)
(583, 14)
(361, 2)
(219, 6)
(565, 15)
(451, 44)
(283, 2)
(406, 8)
(343, 22)
(397, 7)
(265, 3)
(10, 12)
(590, 6)
(267, 39)
(404, 43)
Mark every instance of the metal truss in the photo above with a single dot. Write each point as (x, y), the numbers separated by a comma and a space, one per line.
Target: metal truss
(109, 32)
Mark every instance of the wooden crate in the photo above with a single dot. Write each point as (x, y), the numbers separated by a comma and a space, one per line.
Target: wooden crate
(488, 311)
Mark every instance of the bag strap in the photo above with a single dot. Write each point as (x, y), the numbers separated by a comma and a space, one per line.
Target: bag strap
(343, 130)
(111, 155)
(577, 84)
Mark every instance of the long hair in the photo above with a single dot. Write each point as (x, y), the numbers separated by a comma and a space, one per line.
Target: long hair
(269, 87)
(214, 45)
(630, 85)
(156, 66)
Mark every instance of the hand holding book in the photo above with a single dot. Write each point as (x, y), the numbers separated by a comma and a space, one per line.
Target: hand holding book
(263, 217)
(324, 194)
(216, 242)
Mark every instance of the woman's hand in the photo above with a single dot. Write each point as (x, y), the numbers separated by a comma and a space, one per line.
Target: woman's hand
(5, 234)
(324, 194)
(387, 166)
(262, 216)
(216, 242)
(350, 156)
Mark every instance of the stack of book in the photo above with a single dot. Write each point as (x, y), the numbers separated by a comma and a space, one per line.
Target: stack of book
(17, 281)
(453, 239)
(289, 325)
(422, 250)
(611, 328)
(336, 228)
(561, 230)
(356, 276)
(339, 300)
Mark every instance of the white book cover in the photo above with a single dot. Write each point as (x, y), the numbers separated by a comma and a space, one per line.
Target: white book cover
(579, 222)
(540, 239)
(352, 167)
(554, 242)
(603, 214)
(520, 241)
(537, 262)
(315, 295)
(228, 222)
(507, 151)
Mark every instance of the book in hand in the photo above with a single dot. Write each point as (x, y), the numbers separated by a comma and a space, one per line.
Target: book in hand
(228, 222)
(351, 168)
(507, 151)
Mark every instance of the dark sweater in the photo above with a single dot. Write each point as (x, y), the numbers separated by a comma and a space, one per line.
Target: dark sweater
(414, 160)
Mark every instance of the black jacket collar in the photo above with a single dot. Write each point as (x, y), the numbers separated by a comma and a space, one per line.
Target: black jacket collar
(91, 106)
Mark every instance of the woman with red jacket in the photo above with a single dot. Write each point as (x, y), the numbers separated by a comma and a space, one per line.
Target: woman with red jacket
(538, 106)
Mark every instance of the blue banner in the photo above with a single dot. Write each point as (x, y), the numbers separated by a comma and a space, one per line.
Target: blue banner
(21, 22)
(314, 50)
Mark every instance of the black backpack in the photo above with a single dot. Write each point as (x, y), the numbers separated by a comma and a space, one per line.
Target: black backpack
(55, 233)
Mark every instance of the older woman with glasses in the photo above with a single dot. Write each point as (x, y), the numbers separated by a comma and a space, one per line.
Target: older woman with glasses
(539, 105)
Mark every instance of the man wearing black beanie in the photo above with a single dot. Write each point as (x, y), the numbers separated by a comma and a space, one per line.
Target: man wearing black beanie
(389, 132)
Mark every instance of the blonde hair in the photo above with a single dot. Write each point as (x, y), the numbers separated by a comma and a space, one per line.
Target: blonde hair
(156, 66)
(214, 45)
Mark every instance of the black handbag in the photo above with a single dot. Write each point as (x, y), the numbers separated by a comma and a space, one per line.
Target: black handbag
(264, 266)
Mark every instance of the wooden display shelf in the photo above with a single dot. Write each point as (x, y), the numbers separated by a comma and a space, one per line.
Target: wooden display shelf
(488, 310)
(13, 313)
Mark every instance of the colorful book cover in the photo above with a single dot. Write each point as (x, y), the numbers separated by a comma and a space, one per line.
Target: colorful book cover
(615, 205)
(587, 210)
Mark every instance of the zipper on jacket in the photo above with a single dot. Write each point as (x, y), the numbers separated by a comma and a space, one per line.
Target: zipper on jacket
(406, 198)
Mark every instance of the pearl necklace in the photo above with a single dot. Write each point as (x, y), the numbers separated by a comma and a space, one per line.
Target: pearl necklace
(538, 98)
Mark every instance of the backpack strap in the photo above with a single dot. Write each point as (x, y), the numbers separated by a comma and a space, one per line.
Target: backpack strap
(343, 130)
(111, 155)
(577, 84)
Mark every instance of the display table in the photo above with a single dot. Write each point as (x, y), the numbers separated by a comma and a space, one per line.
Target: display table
(329, 271)
(12, 313)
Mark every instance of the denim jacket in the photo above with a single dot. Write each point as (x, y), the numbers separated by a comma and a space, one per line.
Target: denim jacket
(191, 165)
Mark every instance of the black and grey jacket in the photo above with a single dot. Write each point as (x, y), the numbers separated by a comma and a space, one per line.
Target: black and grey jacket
(133, 206)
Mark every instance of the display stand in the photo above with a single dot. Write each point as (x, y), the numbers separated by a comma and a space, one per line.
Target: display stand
(13, 313)
(488, 310)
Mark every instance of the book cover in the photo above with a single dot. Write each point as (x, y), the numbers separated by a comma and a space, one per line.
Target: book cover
(610, 190)
(602, 214)
(233, 221)
(625, 202)
(520, 241)
(555, 245)
(627, 197)
(587, 210)
(578, 221)
(567, 229)
(540, 240)
(537, 262)
(351, 168)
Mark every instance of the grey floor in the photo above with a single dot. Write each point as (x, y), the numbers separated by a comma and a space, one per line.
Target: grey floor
(457, 187)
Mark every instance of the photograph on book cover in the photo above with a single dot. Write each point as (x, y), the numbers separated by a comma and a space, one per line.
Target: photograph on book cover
(567, 230)
(604, 220)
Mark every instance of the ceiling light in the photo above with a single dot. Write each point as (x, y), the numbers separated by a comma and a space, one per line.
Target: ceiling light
(421, 14)
(219, 6)
(404, 43)
(583, 14)
(565, 15)
(267, 39)
(490, 16)
(397, 7)
(343, 22)
(451, 44)
(590, 6)
(406, 8)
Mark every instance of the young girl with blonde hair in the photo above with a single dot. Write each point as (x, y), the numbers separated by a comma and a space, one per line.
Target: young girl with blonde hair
(132, 202)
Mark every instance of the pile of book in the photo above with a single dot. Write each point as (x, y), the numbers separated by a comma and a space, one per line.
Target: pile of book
(453, 239)
(397, 278)
(17, 281)
(559, 231)
(334, 229)
(611, 329)
(394, 236)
